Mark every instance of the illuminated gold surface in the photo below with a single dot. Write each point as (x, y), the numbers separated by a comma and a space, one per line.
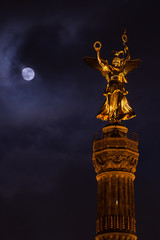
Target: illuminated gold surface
(116, 236)
(115, 173)
(116, 106)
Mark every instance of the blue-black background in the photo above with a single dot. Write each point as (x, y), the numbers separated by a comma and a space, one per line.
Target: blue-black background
(47, 181)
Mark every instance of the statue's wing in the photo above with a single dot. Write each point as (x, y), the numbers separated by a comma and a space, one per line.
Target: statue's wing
(131, 65)
(93, 62)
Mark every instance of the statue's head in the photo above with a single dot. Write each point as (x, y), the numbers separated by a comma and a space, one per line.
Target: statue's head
(116, 61)
(118, 56)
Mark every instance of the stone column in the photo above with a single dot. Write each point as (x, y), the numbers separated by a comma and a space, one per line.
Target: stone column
(115, 157)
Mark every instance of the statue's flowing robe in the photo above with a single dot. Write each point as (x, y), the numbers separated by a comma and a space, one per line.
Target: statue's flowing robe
(116, 106)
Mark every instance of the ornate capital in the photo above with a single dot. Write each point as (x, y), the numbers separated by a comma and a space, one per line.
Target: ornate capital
(115, 151)
(115, 160)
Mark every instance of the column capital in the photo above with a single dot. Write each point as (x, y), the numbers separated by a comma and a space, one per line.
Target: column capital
(115, 151)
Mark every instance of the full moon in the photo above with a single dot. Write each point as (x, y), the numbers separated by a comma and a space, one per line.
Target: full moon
(28, 74)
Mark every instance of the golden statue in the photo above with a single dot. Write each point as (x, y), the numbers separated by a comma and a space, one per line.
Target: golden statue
(116, 106)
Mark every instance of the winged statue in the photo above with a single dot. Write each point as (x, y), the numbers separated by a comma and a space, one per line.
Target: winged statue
(116, 106)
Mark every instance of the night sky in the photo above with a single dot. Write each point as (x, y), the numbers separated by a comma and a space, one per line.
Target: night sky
(47, 181)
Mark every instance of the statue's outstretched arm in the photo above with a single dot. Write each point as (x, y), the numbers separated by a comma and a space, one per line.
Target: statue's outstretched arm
(97, 48)
(125, 47)
(126, 51)
(99, 59)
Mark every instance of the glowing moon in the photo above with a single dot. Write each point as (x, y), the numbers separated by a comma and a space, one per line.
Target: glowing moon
(28, 74)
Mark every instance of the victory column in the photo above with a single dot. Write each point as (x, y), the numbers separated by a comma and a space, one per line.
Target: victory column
(115, 155)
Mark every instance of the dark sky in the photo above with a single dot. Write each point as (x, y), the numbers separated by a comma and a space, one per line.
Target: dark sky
(47, 181)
